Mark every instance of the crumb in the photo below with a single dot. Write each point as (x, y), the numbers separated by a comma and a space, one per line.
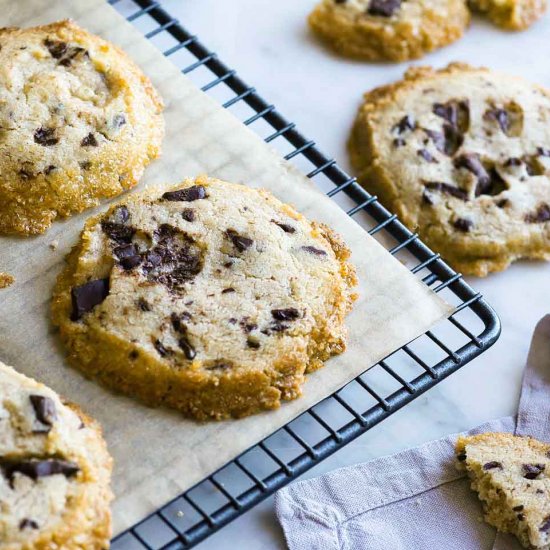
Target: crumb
(6, 280)
(54, 245)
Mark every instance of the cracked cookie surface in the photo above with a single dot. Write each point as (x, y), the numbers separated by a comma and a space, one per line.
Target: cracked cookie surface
(511, 475)
(213, 298)
(463, 156)
(514, 15)
(79, 121)
(394, 30)
(54, 471)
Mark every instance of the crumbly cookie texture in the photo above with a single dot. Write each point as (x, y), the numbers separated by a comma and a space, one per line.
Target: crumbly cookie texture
(394, 30)
(514, 15)
(213, 298)
(511, 476)
(79, 121)
(463, 156)
(6, 280)
(54, 471)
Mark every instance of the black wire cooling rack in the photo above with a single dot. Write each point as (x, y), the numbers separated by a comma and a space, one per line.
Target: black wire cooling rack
(366, 401)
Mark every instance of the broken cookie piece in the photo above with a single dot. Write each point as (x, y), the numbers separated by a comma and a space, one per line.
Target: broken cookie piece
(511, 476)
(514, 15)
(211, 298)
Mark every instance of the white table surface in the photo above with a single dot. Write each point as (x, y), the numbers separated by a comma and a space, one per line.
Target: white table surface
(269, 44)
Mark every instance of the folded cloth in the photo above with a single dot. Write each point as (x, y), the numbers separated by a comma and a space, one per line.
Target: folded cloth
(415, 499)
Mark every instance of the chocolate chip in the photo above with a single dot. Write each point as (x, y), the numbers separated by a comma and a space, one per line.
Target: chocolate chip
(406, 123)
(131, 262)
(518, 508)
(219, 367)
(447, 189)
(426, 155)
(253, 342)
(89, 141)
(545, 526)
(500, 116)
(27, 523)
(189, 194)
(463, 224)
(125, 251)
(36, 468)
(133, 355)
(118, 232)
(285, 227)
(143, 304)
(521, 517)
(277, 327)
(288, 314)
(532, 471)
(45, 137)
(240, 242)
(57, 48)
(314, 251)
(461, 457)
(399, 142)
(187, 348)
(87, 296)
(71, 53)
(503, 203)
(542, 215)
(188, 214)
(513, 161)
(447, 142)
(492, 465)
(539, 491)
(456, 113)
(383, 8)
(543, 152)
(44, 410)
(340, 1)
(472, 163)
(177, 324)
(162, 351)
(228, 290)
(50, 169)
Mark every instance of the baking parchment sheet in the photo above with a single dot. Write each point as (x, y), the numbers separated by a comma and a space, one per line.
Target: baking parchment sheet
(158, 454)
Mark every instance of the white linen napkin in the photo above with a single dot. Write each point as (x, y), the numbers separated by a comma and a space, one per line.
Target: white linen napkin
(415, 499)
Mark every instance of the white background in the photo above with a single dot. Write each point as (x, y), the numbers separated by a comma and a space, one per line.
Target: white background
(268, 42)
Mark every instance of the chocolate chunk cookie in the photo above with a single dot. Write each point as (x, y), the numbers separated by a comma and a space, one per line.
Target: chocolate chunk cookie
(78, 122)
(515, 15)
(54, 471)
(394, 30)
(463, 156)
(212, 298)
(512, 478)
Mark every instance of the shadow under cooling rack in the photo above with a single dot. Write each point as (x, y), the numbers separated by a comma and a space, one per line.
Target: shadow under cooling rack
(367, 400)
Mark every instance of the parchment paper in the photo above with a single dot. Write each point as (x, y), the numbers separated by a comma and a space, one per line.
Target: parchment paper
(157, 453)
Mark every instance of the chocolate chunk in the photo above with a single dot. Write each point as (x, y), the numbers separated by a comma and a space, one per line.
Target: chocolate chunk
(189, 194)
(188, 214)
(340, 1)
(406, 123)
(542, 215)
(503, 203)
(521, 517)
(509, 119)
(383, 8)
(162, 351)
(461, 457)
(277, 327)
(314, 251)
(128, 256)
(87, 296)
(545, 526)
(228, 290)
(447, 142)
(71, 53)
(240, 242)
(426, 155)
(118, 232)
(45, 137)
(288, 314)
(120, 214)
(57, 48)
(472, 163)
(539, 491)
(447, 189)
(131, 262)
(285, 227)
(36, 468)
(456, 113)
(187, 348)
(85, 165)
(541, 151)
(513, 161)
(463, 224)
(27, 523)
(89, 141)
(399, 142)
(44, 410)
(518, 508)
(228, 264)
(492, 465)
(532, 471)
(500, 116)
(253, 342)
